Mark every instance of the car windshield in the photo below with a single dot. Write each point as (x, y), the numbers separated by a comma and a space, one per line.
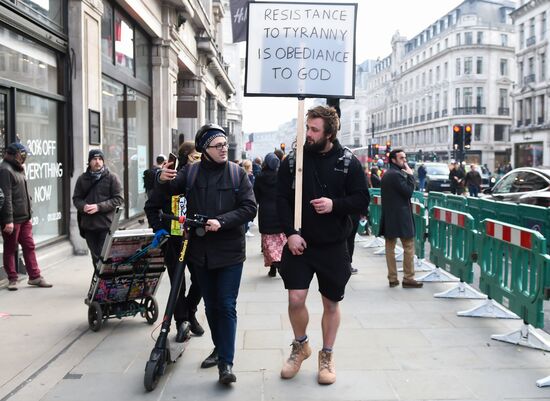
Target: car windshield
(437, 170)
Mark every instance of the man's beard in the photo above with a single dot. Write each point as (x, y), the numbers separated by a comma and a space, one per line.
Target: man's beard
(316, 147)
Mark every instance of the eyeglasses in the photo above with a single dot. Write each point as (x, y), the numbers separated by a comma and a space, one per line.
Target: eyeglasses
(220, 146)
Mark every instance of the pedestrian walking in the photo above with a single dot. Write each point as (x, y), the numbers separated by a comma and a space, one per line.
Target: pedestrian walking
(397, 219)
(15, 217)
(334, 187)
(374, 177)
(186, 305)
(265, 191)
(96, 195)
(473, 181)
(221, 191)
(456, 176)
(422, 173)
(150, 174)
(247, 165)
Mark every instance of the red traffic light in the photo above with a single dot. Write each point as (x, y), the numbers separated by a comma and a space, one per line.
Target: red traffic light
(457, 128)
(283, 146)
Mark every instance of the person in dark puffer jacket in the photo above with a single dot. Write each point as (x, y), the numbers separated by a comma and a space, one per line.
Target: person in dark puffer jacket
(96, 195)
(273, 237)
(15, 217)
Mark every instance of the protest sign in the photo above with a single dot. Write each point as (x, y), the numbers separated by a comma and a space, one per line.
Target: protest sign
(301, 49)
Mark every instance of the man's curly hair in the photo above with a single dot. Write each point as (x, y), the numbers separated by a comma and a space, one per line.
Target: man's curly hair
(330, 117)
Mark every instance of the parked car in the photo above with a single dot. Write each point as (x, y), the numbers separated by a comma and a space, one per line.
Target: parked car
(487, 179)
(529, 185)
(437, 177)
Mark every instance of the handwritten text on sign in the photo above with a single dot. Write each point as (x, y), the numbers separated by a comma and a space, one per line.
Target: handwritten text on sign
(301, 49)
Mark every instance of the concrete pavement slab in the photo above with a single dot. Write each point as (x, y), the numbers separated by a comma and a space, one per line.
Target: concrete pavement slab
(393, 344)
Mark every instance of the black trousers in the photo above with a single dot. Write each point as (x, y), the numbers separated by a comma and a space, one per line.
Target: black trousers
(351, 238)
(186, 306)
(95, 240)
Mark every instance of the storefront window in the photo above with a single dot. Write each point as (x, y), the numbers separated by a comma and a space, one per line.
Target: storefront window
(529, 154)
(113, 126)
(138, 150)
(37, 128)
(49, 12)
(107, 31)
(124, 43)
(24, 61)
(143, 57)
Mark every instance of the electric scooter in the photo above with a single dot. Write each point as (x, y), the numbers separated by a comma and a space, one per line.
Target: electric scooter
(162, 354)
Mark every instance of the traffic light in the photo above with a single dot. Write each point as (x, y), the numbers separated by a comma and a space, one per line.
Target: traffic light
(283, 146)
(376, 146)
(388, 149)
(467, 136)
(457, 136)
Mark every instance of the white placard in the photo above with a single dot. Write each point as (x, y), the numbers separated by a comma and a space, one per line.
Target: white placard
(301, 49)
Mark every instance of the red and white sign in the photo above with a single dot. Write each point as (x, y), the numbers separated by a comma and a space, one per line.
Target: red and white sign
(512, 235)
(450, 217)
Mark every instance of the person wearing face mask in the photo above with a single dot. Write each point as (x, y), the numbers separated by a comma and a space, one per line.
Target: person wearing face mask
(221, 191)
(96, 195)
(15, 217)
(334, 187)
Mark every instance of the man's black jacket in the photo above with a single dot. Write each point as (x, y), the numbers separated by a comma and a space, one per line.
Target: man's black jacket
(323, 176)
(213, 195)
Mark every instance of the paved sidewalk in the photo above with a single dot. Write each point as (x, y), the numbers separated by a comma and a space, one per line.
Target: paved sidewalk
(393, 344)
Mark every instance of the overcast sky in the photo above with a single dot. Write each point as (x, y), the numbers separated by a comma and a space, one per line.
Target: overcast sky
(377, 21)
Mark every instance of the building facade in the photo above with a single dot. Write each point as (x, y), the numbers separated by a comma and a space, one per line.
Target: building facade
(459, 70)
(531, 126)
(134, 78)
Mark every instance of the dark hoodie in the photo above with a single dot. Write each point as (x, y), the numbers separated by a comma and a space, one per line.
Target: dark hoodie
(323, 176)
(17, 204)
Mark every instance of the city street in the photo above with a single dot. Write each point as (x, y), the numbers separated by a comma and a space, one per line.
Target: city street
(393, 344)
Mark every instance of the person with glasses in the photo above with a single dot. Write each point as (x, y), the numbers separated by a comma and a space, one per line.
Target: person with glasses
(221, 191)
(15, 217)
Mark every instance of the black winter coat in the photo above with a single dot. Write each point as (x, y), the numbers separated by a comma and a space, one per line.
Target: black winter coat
(213, 195)
(397, 188)
(265, 190)
(323, 176)
(107, 194)
(17, 202)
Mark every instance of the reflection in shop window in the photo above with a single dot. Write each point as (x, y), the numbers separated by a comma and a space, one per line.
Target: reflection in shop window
(138, 149)
(113, 126)
(49, 12)
(27, 62)
(124, 43)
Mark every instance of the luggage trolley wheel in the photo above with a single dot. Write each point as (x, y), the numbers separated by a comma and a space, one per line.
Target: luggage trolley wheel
(151, 312)
(95, 316)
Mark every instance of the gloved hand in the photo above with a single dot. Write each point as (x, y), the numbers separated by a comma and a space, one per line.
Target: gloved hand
(159, 236)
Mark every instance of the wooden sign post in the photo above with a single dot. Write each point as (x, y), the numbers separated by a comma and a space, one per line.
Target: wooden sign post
(300, 49)
(300, 139)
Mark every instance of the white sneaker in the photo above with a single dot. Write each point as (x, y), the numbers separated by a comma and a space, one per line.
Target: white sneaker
(249, 234)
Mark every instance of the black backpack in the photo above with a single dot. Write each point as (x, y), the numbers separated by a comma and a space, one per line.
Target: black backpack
(149, 178)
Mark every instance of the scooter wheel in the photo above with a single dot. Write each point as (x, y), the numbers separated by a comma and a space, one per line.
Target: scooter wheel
(95, 316)
(152, 375)
(151, 310)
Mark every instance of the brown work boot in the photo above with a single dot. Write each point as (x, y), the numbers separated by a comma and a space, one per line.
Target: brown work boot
(411, 283)
(327, 373)
(300, 352)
